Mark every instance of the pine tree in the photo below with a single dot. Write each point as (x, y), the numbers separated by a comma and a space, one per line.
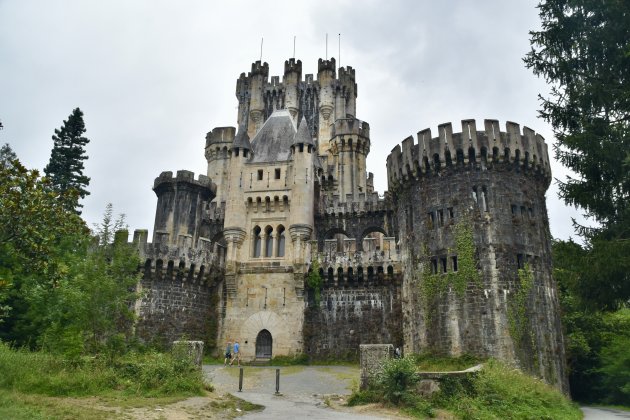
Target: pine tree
(7, 156)
(65, 167)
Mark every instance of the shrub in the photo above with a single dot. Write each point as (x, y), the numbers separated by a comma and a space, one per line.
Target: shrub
(396, 377)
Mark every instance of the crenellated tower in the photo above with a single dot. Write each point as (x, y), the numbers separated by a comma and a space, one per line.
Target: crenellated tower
(476, 245)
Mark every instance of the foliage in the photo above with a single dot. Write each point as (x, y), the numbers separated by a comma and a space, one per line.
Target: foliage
(583, 51)
(434, 284)
(496, 392)
(37, 237)
(65, 167)
(314, 281)
(7, 156)
(298, 359)
(395, 378)
(150, 374)
(517, 309)
(597, 341)
(106, 230)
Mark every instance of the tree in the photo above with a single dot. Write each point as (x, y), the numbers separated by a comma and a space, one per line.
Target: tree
(65, 167)
(7, 156)
(583, 51)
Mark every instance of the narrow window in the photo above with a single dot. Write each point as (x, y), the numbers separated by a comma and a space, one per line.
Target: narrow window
(443, 264)
(260, 174)
(431, 219)
(531, 212)
(514, 209)
(257, 242)
(236, 152)
(451, 215)
(484, 194)
(281, 241)
(277, 173)
(440, 214)
(301, 147)
(244, 152)
(520, 263)
(434, 265)
(523, 211)
(268, 242)
(454, 259)
(474, 194)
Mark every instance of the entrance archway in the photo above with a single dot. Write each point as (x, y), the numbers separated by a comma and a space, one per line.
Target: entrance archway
(264, 343)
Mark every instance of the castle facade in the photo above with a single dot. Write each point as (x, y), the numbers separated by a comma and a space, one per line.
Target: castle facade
(454, 258)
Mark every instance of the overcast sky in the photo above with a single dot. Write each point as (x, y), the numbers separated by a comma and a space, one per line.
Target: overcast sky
(153, 77)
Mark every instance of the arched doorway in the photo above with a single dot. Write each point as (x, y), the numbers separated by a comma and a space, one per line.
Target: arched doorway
(263, 345)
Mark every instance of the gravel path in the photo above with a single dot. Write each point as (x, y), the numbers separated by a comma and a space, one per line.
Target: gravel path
(592, 413)
(304, 390)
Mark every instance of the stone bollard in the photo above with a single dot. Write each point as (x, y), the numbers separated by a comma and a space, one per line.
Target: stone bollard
(372, 356)
(191, 350)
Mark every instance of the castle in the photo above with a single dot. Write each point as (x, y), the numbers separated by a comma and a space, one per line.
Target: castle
(455, 258)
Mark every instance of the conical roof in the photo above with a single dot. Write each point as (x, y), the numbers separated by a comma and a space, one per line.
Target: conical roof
(242, 139)
(303, 134)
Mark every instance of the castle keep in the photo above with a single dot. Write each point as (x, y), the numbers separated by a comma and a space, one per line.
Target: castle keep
(455, 258)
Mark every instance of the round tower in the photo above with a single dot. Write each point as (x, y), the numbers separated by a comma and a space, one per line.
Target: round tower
(302, 190)
(218, 146)
(181, 201)
(257, 80)
(292, 77)
(326, 77)
(475, 237)
(350, 145)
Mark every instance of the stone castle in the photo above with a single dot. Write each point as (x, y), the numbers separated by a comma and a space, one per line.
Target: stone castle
(455, 258)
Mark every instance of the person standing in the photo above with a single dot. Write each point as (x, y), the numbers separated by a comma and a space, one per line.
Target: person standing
(228, 353)
(237, 354)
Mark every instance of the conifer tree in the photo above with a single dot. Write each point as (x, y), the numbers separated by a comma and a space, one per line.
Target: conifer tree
(65, 167)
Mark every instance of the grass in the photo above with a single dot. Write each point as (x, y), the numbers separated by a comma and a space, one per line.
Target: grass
(496, 392)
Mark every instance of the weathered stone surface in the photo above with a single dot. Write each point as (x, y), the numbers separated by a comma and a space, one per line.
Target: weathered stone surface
(372, 357)
(189, 350)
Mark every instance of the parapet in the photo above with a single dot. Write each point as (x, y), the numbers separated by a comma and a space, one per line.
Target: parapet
(291, 65)
(259, 69)
(346, 73)
(346, 126)
(220, 135)
(323, 65)
(183, 177)
(525, 149)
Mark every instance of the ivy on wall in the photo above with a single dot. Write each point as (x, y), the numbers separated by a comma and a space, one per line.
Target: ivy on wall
(433, 285)
(517, 308)
(314, 281)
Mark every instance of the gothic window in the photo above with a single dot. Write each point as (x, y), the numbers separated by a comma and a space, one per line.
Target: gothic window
(268, 242)
(484, 194)
(281, 241)
(257, 242)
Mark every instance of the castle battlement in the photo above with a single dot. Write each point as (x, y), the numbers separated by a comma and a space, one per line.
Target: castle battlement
(166, 180)
(220, 135)
(366, 203)
(259, 69)
(326, 65)
(291, 65)
(350, 126)
(526, 149)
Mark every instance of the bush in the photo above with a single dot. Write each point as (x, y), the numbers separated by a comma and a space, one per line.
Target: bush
(396, 377)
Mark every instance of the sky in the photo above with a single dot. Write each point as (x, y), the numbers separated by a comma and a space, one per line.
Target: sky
(153, 77)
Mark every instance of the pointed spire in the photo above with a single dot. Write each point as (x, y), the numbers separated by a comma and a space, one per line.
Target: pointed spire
(242, 139)
(303, 134)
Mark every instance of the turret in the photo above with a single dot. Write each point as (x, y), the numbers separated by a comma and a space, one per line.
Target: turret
(349, 85)
(218, 146)
(292, 77)
(180, 205)
(257, 79)
(302, 188)
(326, 80)
(350, 145)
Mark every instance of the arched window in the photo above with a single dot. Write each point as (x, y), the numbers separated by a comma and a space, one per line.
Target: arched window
(268, 242)
(281, 241)
(257, 242)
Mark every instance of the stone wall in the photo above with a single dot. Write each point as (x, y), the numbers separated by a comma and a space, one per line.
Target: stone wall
(177, 306)
(350, 316)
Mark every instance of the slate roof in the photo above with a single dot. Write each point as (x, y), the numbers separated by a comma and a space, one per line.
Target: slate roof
(242, 139)
(273, 141)
(303, 134)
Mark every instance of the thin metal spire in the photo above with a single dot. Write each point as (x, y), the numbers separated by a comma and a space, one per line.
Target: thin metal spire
(327, 46)
(261, 45)
(339, 51)
(294, 47)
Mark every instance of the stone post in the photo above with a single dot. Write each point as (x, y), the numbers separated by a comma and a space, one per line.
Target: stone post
(372, 357)
(190, 350)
